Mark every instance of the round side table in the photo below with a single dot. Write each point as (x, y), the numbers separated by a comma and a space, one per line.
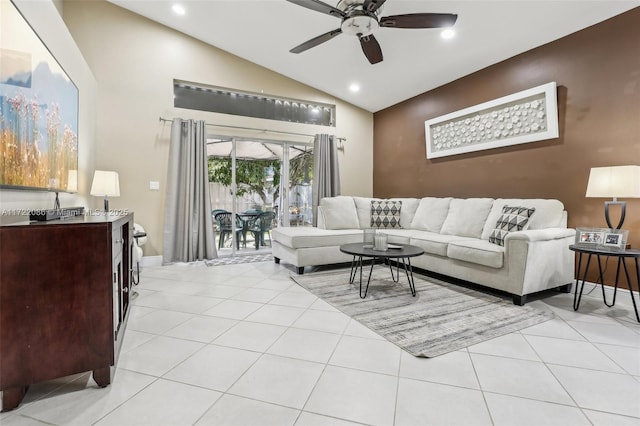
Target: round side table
(598, 253)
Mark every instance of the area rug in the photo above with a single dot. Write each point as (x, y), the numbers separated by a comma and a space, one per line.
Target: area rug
(441, 318)
(234, 260)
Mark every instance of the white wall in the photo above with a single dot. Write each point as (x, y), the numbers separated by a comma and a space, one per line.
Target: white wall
(135, 61)
(48, 24)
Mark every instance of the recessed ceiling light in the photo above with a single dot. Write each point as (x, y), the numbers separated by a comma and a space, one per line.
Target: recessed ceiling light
(354, 87)
(178, 9)
(447, 34)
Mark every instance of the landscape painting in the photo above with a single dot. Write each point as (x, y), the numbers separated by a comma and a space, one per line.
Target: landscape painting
(38, 111)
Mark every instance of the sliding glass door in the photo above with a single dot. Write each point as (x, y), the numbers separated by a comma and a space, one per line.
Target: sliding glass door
(257, 185)
(300, 172)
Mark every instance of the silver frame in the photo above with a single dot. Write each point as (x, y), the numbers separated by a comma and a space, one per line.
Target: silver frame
(583, 240)
(621, 240)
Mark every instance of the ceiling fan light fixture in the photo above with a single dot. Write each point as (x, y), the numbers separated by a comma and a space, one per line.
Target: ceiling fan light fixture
(359, 25)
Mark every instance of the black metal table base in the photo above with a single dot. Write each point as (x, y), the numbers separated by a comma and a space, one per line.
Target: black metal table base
(357, 264)
(577, 296)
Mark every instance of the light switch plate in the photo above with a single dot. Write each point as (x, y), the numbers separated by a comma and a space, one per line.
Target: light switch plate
(154, 185)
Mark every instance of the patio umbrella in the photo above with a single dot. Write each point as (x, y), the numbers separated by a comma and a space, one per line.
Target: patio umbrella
(253, 150)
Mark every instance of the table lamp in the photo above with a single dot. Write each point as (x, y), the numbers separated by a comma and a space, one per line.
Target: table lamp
(105, 184)
(614, 182)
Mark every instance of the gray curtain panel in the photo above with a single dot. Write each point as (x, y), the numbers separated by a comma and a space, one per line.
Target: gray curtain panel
(326, 175)
(188, 229)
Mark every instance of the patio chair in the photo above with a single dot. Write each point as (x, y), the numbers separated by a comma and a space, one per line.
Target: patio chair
(261, 225)
(248, 217)
(226, 227)
(216, 225)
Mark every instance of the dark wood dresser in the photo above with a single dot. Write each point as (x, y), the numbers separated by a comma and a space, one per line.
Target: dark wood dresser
(64, 299)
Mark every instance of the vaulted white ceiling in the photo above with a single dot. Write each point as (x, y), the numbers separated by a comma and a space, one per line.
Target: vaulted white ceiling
(415, 60)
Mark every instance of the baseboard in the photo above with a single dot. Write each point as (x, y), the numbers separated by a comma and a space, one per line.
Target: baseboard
(150, 261)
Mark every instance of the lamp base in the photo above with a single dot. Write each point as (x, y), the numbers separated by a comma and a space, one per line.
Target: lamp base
(623, 212)
(106, 205)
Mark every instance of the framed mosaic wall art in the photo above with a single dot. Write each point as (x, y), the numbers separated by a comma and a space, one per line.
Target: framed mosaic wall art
(523, 117)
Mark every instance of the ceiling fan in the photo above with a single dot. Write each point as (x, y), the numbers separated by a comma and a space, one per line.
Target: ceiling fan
(360, 18)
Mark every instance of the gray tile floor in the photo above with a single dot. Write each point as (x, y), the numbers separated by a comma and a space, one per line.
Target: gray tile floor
(244, 345)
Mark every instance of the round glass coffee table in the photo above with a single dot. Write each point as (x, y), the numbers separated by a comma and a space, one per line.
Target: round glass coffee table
(402, 255)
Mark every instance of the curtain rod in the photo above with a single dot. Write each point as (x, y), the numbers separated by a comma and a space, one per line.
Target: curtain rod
(254, 128)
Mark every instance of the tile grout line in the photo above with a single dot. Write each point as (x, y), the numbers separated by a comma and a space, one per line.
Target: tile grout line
(482, 391)
(262, 354)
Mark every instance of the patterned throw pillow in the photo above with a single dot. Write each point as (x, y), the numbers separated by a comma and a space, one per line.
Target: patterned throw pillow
(385, 214)
(512, 219)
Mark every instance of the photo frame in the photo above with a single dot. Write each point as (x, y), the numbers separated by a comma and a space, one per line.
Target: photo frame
(590, 237)
(527, 116)
(616, 239)
(602, 238)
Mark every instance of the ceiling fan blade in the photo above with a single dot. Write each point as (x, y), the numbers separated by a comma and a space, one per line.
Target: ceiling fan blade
(371, 48)
(319, 6)
(372, 5)
(419, 20)
(316, 41)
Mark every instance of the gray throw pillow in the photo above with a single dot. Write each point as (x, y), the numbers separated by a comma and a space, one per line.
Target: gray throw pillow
(385, 214)
(512, 219)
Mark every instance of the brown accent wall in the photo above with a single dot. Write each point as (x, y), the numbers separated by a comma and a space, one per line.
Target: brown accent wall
(598, 75)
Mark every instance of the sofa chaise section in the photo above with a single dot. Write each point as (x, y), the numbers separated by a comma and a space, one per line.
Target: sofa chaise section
(310, 246)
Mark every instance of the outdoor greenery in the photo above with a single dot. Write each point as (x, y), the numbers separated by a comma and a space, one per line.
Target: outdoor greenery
(251, 175)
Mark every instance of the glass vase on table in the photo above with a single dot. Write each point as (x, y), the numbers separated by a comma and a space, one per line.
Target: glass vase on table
(368, 238)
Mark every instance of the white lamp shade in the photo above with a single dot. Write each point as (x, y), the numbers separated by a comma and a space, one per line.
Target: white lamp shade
(614, 182)
(105, 183)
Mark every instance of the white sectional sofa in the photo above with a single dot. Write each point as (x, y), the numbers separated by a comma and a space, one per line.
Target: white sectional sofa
(454, 234)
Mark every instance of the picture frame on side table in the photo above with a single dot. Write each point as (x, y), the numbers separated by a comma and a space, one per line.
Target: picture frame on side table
(602, 238)
(616, 239)
(590, 237)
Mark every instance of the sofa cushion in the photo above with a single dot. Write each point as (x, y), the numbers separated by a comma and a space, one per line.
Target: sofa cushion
(467, 217)
(340, 202)
(549, 213)
(306, 236)
(338, 213)
(363, 209)
(409, 207)
(512, 219)
(397, 235)
(481, 252)
(430, 214)
(434, 243)
(385, 214)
